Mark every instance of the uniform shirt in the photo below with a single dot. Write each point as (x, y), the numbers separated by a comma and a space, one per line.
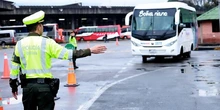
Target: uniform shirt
(33, 55)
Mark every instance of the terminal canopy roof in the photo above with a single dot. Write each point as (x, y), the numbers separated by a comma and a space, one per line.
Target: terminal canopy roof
(212, 14)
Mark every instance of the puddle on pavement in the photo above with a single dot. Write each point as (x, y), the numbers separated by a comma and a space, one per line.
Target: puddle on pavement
(213, 63)
(182, 70)
(208, 93)
(212, 83)
(186, 70)
(216, 60)
(216, 65)
(142, 69)
(200, 80)
(183, 66)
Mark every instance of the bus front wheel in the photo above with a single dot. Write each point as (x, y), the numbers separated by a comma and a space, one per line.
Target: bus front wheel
(81, 39)
(187, 54)
(144, 59)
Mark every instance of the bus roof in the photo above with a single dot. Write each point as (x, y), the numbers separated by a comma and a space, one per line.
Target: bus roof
(163, 5)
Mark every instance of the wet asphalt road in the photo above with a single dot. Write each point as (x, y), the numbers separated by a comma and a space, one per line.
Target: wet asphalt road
(116, 80)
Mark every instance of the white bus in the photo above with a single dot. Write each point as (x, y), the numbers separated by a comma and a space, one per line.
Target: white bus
(163, 30)
(125, 32)
(50, 30)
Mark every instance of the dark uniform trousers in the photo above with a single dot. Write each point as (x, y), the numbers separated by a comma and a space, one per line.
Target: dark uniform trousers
(38, 97)
(74, 60)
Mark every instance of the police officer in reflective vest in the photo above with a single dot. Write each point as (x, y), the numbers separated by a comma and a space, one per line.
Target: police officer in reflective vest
(73, 41)
(32, 57)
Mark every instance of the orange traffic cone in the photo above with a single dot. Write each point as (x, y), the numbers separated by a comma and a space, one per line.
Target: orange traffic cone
(117, 42)
(71, 78)
(1, 106)
(6, 73)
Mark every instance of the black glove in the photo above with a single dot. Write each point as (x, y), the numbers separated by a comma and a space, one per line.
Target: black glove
(14, 85)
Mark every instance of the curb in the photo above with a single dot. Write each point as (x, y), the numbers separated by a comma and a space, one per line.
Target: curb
(208, 48)
(6, 47)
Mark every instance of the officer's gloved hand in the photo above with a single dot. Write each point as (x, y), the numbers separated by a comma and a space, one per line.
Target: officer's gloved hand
(14, 85)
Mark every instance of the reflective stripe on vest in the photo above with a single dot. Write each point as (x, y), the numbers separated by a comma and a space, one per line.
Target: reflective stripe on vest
(62, 53)
(43, 60)
(33, 71)
(21, 54)
(13, 77)
(70, 54)
(15, 67)
(14, 70)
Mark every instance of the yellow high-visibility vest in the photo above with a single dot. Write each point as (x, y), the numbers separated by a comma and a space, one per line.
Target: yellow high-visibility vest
(35, 54)
(73, 41)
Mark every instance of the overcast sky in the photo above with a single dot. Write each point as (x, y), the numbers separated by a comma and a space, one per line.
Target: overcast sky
(85, 2)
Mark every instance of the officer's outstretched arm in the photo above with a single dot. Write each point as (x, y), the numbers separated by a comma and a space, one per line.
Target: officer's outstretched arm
(58, 51)
(87, 52)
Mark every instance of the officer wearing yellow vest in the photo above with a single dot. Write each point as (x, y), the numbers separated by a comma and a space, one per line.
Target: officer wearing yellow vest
(32, 56)
(73, 41)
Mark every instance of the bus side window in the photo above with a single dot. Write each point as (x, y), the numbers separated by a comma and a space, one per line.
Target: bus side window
(123, 30)
(129, 29)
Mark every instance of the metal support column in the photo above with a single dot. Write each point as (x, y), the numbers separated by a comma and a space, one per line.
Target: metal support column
(73, 23)
(94, 22)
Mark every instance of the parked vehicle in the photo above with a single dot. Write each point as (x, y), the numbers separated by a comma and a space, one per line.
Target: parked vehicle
(7, 37)
(125, 32)
(50, 30)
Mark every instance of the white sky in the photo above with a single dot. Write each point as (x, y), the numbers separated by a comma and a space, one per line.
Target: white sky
(85, 2)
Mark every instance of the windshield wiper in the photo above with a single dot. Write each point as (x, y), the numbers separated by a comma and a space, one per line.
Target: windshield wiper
(163, 35)
(147, 30)
(137, 35)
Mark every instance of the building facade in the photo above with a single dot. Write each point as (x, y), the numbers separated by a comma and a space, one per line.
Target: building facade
(69, 16)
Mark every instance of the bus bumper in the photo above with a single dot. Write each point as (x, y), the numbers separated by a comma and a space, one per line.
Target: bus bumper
(158, 51)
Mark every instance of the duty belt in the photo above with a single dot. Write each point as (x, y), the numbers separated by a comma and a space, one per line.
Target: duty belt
(39, 80)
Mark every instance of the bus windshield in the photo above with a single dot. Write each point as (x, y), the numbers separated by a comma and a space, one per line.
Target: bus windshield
(153, 24)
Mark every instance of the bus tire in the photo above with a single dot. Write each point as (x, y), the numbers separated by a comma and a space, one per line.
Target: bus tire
(188, 54)
(81, 39)
(144, 59)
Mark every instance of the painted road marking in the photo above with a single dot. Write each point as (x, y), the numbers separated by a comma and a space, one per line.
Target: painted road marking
(89, 103)
(124, 68)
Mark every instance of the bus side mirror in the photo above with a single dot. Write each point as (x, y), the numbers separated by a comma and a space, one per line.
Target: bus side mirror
(177, 17)
(182, 25)
(127, 18)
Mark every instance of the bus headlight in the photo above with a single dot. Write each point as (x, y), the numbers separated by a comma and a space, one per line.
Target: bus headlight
(171, 43)
(135, 44)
